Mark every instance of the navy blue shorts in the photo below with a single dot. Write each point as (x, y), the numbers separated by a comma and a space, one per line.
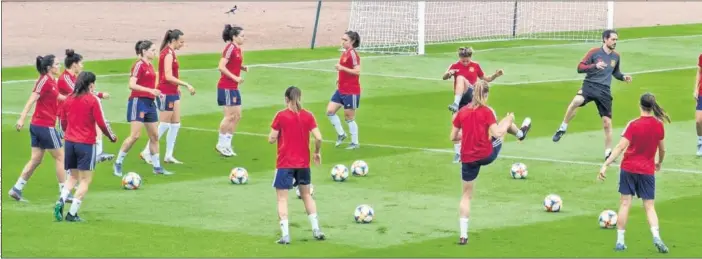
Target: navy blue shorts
(228, 97)
(287, 178)
(699, 103)
(349, 101)
(469, 171)
(79, 156)
(44, 137)
(142, 109)
(641, 185)
(167, 102)
(466, 98)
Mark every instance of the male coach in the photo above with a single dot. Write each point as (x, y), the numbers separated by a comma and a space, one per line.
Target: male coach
(599, 65)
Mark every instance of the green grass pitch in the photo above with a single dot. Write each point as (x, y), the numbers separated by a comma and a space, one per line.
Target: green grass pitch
(412, 185)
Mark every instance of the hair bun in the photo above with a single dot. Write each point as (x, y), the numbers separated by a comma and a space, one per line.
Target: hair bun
(70, 52)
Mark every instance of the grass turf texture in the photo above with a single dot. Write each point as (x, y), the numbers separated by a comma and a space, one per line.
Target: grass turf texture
(412, 185)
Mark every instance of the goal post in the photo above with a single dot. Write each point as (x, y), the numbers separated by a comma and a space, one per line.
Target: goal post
(406, 27)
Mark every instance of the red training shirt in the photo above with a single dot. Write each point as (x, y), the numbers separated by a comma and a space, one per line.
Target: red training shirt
(164, 85)
(699, 84)
(475, 123)
(146, 77)
(66, 84)
(644, 135)
(47, 104)
(348, 83)
(294, 138)
(234, 60)
(82, 113)
(472, 71)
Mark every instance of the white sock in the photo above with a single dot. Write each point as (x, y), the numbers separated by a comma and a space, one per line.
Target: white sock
(171, 139)
(120, 157)
(699, 139)
(98, 145)
(20, 184)
(457, 148)
(313, 221)
(64, 194)
(457, 99)
(520, 134)
(336, 122)
(655, 233)
(620, 236)
(74, 207)
(353, 129)
(228, 140)
(608, 151)
(61, 187)
(564, 127)
(464, 227)
(222, 140)
(284, 227)
(155, 161)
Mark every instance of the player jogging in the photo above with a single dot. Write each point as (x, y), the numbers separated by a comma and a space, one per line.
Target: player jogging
(228, 96)
(465, 73)
(291, 128)
(169, 103)
(599, 65)
(348, 93)
(642, 138)
(141, 108)
(44, 137)
(83, 112)
(66, 85)
(481, 138)
(697, 93)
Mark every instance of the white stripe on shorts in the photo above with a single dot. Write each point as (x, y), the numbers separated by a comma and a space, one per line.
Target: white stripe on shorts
(54, 137)
(135, 101)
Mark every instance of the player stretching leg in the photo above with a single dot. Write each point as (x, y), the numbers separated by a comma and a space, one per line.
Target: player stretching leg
(291, 129)
(169, 105)
(465, 73)
(478, 120)
(698, 97)
(228, 96)
(642, 138)
(82, 112)
(348, 94)
(600, 64)
(41, 130)
(141, 108)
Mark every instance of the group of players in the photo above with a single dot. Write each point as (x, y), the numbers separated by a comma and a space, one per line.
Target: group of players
(476, 132)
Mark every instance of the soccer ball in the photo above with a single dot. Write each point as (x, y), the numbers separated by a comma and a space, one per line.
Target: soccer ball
(363, 214)
(359, 168)
(339, 173)
(553, 203)
(608, 219)
(297, 191)
(519, 171)
(239, 175)
(131, 181)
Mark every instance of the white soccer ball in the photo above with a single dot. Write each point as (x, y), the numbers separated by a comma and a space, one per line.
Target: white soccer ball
(608, 219)
(519, 171)
(297, 191)
(339, 173)
(359, 168)
(131, 181)
(239, 175)
(553, 203)
(363, 214)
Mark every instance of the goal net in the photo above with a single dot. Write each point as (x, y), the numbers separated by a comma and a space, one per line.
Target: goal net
(405, 27)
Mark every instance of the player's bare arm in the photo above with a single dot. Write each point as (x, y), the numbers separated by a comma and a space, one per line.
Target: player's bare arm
(695, 92)
(62, 97)
(28, 106)
(494, 76)
(449, 73)
(136, 87)
(455, 134)
(317, 146)
(168, 70)
(223, 69)
(273, 136)
(623, 145)
(661, 154)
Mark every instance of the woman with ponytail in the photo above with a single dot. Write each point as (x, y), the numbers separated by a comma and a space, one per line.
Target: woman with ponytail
(642, 139)
(83, 112)
(44, 136)
(291, 128)
(228, 96)
(481, 137)
(169, 103)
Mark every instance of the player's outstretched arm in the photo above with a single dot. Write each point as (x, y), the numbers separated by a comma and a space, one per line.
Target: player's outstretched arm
(28, 106)
(618, 150)
(101, 122)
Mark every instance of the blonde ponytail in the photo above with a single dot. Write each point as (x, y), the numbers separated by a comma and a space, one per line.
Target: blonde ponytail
(480, 92)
